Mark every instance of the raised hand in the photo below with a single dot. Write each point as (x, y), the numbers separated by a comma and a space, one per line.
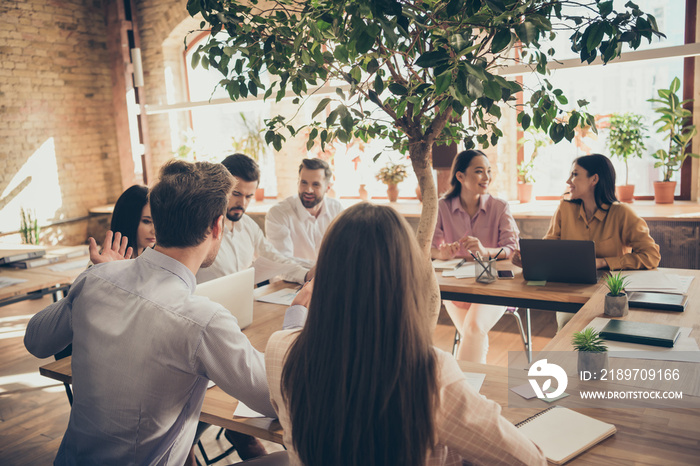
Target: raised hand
(114, 248)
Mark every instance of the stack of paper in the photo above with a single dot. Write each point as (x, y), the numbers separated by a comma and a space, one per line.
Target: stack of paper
(446, 265)
(466, 271)
(656, 280)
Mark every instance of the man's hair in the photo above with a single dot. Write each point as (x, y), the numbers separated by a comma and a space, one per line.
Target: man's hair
(317, 164)
(187, 200)
(243, 167)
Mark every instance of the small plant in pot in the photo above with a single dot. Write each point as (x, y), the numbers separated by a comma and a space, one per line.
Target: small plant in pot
(674, 121)
(592, 352)
(616, 304)
(391, 175)
(625, 141)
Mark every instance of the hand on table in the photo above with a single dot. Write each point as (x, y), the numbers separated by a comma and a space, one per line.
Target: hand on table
(516, 259)
(473, 245)
(303, 297)
(447, 251)
(310, 274)
(114, 248)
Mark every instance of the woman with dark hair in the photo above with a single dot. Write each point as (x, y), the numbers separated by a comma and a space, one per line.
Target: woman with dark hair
(470, 221)
(621, 237)
(361, 383)
(132, 218)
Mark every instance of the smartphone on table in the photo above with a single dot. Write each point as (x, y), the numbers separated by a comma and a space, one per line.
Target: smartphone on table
(506, 274)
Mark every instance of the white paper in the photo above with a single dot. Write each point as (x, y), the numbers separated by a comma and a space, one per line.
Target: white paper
(64, 266)
(9, 281)
(682, 282)
(244, 411)
(284, 296)
(465, 271)
(685, 349)
(446, 265)
(475, 379)
(650, 280)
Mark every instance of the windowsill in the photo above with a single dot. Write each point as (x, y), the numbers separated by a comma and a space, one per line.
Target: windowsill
(648, 210)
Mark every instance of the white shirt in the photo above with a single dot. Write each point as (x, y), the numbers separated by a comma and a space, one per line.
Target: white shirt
(294, 232)
(144, 348)
(243, 245)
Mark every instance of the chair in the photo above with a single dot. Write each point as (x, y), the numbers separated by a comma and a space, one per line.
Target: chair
(525, 333)
(67, 351)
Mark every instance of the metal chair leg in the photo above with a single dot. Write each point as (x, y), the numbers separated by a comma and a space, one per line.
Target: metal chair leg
(525, 333)
(455, 344)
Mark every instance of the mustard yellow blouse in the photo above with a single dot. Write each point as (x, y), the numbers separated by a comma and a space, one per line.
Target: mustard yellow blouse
(621, 236)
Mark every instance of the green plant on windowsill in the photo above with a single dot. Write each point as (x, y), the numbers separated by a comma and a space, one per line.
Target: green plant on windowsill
(674, 120)
(252, 142)
(525, 170)
(29, 227)
(616, 283)
(588, 340)
(392, 173)
(626, 138)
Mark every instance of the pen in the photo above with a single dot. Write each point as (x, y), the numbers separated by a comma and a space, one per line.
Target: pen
(461, 263)
(498, 254)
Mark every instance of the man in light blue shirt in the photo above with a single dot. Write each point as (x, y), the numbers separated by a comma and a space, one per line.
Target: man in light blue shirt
(144, 347)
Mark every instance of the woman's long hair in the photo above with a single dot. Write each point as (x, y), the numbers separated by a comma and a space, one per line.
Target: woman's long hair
(127, 213)
(597, 164)
(460, 164)
(361, 379)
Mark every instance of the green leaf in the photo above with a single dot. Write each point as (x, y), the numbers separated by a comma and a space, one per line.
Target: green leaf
(372, 66)
(321, 106)
(401, 108)
(595, 35)
(526, 31)
(605, 8)
(442, 82)
(378, 84)
(397, 89)
(500, 40)
(492, 90)
(556, 132)
(341, 53)
(526, 121)
(364, 42)
(433, 58)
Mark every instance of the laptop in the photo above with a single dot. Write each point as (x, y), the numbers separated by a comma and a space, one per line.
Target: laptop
(234, 292)
(566, 261)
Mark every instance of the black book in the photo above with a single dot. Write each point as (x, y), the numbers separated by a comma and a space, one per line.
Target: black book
(660, 301)
(641, 332)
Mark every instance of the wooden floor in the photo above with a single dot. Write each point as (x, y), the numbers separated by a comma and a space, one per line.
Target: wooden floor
(34, 410)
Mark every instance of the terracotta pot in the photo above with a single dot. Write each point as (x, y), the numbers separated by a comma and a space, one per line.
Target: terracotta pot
(625, 193)
(419, 194)
(524, 192)
(364, 195)
(663, 191)
(260, 194)
(593, 362)
(616, 306)
(392, 191)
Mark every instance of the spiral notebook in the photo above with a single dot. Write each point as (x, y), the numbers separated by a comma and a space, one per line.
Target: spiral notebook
(563, 434)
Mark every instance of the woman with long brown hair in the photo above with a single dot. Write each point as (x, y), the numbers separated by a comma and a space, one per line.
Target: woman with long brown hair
(361, 383)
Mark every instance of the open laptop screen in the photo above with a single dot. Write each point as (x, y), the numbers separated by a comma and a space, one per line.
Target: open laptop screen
(234, 292)
(566, 261)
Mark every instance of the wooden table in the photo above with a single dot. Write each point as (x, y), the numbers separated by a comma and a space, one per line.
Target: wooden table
(645, 435)
(566, 297)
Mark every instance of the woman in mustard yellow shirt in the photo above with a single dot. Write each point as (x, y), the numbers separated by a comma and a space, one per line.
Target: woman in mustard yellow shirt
(621, 237)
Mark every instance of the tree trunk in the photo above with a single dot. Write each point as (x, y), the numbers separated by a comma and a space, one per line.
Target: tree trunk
(420, 154)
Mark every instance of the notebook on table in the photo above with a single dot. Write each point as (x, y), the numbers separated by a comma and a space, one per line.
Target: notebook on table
(562, 433)
(658, 301)
(10, 253)
(566, 261)
(234, 292)
(641, 332)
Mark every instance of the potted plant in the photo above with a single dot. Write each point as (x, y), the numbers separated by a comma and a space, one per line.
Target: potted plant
(616, 304)
(538, 138)
(253, 144)
(391, 175)
(592, 352)
(626, 140)
(674, 121)
(29, 227)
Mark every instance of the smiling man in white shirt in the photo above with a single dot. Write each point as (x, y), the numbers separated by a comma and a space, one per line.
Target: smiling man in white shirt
(243, 241)
(296, 226)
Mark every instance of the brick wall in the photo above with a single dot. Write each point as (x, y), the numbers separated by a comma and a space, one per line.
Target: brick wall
(57, 138)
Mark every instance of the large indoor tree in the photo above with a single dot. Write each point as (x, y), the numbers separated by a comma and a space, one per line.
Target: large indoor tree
(411, 72)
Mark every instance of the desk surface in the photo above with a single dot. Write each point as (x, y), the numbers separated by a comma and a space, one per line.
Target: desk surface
(516, 292)
(644, 436)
